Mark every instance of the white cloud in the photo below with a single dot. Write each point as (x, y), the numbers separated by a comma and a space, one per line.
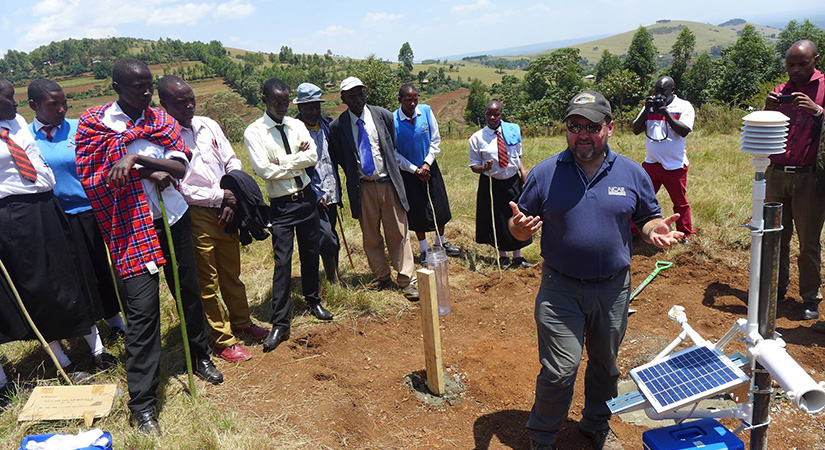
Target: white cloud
(234, 9)
(332, 31)
(182, 14)
(465, 8)
(373, 18)
(47, 7)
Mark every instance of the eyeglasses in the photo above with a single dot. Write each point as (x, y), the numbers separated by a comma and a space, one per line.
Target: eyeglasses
(592, 128)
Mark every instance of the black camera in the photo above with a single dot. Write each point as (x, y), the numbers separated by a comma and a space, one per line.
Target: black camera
(659, 101)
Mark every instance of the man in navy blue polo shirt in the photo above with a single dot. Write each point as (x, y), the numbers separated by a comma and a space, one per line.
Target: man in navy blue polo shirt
(582, 199)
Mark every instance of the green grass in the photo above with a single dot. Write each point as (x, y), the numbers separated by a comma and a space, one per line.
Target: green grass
(467, 70)
(718, 188)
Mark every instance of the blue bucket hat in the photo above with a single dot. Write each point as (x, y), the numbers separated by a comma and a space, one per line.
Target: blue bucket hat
(308, 93)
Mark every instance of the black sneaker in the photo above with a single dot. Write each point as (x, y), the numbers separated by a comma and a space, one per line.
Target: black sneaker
(422, 260)
(504, 261)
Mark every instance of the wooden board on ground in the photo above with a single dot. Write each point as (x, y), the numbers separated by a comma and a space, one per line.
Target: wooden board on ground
(69, 402)
(431, 331)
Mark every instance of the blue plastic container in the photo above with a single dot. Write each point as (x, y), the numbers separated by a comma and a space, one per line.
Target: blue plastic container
(704, 434)
(44, 437)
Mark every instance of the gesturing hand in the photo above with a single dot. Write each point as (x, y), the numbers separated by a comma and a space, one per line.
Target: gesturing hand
(661, 235)
(522, 226)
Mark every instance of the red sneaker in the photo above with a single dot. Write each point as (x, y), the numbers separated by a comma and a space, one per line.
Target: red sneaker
(233, 353)
(255, 332)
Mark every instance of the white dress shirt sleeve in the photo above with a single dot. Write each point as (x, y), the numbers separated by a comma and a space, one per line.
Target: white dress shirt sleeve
(435, 140)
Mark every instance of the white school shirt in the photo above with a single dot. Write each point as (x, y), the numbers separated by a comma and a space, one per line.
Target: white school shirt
(484, 146)
(11, 183)
(115, 119)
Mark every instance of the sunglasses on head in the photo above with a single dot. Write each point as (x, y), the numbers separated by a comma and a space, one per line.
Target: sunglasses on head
(592, 128)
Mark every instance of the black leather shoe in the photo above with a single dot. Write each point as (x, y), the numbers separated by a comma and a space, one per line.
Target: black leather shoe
(276, 336)
(105, 361)
(205, 370)
(451, 250)
(520, 263)
(76, 375)
(146, 421)
(115, 335)
(6, 395)
(319, 312)
(810, 311)
(504, 261)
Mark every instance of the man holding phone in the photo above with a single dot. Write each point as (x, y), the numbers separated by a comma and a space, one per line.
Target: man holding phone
(791, 177)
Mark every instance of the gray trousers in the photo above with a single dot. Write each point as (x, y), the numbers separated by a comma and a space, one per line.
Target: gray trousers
(570, 315)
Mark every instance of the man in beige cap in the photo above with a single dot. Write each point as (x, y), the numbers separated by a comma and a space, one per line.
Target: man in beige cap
(362, 142)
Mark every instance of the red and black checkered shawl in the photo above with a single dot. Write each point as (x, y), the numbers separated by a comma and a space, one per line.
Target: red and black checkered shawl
(123, 214)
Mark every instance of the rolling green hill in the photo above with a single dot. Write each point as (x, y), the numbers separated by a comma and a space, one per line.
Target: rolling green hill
(708, 37)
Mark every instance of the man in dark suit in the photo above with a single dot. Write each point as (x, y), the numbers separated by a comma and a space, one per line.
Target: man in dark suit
(362, 141)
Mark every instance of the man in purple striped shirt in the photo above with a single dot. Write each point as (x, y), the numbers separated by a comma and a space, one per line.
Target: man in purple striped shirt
(212, 207)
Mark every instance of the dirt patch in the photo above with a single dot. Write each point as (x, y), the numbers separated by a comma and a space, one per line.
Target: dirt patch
(342, 384)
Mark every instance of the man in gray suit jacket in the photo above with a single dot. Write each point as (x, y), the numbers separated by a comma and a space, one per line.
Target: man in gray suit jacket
(362, 141)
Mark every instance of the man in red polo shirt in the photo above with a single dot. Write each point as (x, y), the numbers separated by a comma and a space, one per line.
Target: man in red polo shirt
(791, 177)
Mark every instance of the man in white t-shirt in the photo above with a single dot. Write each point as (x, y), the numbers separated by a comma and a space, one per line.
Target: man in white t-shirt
(667, 120)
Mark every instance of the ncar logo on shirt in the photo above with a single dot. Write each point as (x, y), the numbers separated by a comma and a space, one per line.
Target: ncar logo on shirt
(615, 190)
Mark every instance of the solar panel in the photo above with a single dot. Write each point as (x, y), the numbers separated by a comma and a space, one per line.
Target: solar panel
(686, 377)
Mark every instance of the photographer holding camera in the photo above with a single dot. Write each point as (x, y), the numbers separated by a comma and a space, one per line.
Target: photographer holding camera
(666, 120)
(792, 176)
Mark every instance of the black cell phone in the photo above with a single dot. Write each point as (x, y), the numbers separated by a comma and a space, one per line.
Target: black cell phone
(786, 98)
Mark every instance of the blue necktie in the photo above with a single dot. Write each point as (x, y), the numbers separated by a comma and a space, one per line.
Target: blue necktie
(365, 149)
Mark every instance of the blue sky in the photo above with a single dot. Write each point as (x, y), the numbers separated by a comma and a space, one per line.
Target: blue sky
(357, 28)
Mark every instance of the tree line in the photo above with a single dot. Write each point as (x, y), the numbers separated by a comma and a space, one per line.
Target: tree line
(739, 78)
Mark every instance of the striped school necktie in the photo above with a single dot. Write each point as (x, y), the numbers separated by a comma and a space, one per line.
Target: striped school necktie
(21, 159)
(47, 130)
(503, 159)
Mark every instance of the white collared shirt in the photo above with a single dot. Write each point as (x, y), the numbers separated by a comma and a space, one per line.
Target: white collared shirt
(38, 125)
(435, 141)
(484, 147)
(11, 183)
(264, 144)
(115, 119)
(375, 145)
(212, 158)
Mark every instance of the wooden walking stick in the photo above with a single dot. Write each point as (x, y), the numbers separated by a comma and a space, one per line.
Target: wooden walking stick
(344, 238)
(114, 282)
(493, 222)
(178, 300)
(33, 326)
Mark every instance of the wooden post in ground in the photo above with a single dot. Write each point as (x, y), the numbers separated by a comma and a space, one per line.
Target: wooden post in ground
(432, 333)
